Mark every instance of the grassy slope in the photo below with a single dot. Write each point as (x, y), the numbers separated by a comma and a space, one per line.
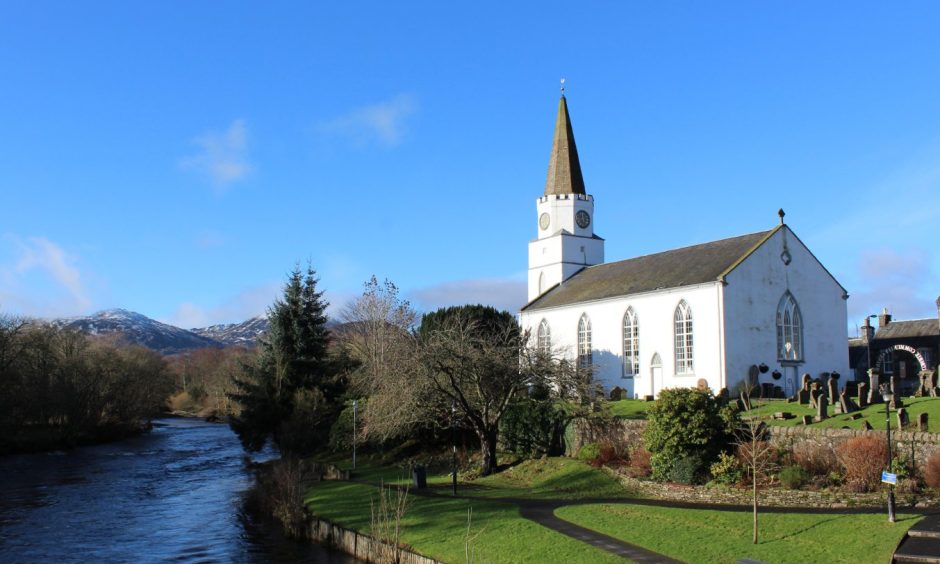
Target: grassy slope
(549, 478)
(721, 536)
(437, 527)
(874, 414)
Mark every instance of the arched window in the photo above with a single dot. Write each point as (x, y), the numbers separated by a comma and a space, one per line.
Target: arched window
(684, 356)
(585, 356)
(789, 329)
(631, 344)
(544, 338)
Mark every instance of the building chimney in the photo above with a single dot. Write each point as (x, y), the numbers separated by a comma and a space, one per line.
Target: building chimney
(884, 318)
(867, 331)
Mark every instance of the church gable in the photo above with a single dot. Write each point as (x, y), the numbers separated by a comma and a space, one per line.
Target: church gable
(688, 266)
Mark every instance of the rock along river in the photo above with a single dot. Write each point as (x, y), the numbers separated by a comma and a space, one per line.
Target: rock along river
(174, 494)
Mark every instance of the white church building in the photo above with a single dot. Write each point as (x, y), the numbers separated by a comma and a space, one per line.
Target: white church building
(703, 314)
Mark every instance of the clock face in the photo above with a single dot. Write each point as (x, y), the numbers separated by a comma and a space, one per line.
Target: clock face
(583, 219)
(544, 220)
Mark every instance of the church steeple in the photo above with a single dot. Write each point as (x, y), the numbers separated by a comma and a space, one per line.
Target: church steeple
(564, 168)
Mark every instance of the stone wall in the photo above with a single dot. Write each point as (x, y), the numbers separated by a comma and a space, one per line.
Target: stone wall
(629, 432)
(362, 547)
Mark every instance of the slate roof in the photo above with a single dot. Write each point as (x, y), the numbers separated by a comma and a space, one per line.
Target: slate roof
(564, 167)
(671, 269)
(909, 328)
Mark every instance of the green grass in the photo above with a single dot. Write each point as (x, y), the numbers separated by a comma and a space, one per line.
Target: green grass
(630, 409)
(698, 535)
(548, 478)
(874, 414)
(437, 527)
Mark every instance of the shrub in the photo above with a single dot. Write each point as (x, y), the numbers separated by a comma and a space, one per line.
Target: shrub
(863, 459)
(588, 452)
(688, 470)
(727, 470)
(793, 477)
(932, 471)
(608, 455)
(533, 428)
(639, 465)
(687, 425)
(817, 460)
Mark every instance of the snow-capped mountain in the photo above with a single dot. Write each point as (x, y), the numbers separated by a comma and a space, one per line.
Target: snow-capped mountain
(244, 334)
(139, 330)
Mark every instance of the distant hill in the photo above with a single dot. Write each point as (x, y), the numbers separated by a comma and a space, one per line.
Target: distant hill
(139, 330)
(244, 334)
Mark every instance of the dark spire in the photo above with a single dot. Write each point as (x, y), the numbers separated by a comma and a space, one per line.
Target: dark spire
(564, 168)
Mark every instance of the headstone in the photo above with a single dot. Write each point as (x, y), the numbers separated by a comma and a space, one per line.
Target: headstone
(807, 419)
(855, 416)
(862, 395)
(903, 419)
(648, 398)
(851, 387)
(779, 393)
(922, 422)
(723, 393)
(814, 394)
(702, 384)
(846, 403)
(833, 388)
(822, 402)
(866, 425)
(803, 397)
(616, 394)
(807, 379)
(873, 382)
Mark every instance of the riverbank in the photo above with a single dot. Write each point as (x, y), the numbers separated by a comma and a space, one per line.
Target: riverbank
(45, 438)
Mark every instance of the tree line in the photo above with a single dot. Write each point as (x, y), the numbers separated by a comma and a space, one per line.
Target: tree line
(59, 387)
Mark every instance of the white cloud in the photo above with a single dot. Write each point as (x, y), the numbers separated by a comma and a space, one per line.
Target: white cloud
(246, 304)
(223, 155)
(382, 123)
(897, 280)
(41, 278)
(501, 293)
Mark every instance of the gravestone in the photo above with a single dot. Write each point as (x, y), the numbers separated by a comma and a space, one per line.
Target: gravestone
(903, 419)
(851, 387)
(846, 403)
(862, 395)
(822, 402)
(807, 419)
(833, 387)
(873, 383)
(855, 416)
(866, 426)
(922, 422)
(802, 397)
(616, 394)
(702, 384)
(807, 380)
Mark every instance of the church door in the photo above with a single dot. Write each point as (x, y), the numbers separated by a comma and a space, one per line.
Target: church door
(789, 381)
(656, 374)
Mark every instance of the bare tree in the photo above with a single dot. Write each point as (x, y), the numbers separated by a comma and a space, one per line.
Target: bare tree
(757, 453)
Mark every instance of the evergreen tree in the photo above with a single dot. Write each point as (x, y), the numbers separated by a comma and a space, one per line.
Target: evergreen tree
(290, 394)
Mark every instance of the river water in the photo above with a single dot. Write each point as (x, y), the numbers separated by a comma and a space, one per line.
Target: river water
(174, 494)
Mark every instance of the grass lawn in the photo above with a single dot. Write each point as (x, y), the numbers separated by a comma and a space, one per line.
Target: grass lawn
(548, 478)
(874, 414)
(437, 527)
(698, 535)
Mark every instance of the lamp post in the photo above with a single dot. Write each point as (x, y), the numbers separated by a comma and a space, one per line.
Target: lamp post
(453, 436)
(888, 396)
(355, 409)
(868, 340)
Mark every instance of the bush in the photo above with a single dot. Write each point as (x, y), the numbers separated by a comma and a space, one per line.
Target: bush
(932, 471)
(533, 428)
(793, 477)
(688, 470)
(639, 465)
(727, 470)
(588, 452)
(609, 455)
(684, 426)
(817, 460)
(863, 459)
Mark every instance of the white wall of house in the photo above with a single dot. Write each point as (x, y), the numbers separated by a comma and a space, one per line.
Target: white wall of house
(751, 296)
(655, 311)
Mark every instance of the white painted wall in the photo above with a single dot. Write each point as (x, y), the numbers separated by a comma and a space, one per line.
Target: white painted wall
(751, 297)
(655, 311)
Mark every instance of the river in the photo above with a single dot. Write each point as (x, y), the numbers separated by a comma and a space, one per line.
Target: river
(176, 493)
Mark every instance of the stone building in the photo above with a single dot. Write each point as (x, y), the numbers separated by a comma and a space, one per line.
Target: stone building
(901, 349)
(699, 315)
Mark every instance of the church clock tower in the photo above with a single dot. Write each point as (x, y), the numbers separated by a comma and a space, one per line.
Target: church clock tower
(566, 241)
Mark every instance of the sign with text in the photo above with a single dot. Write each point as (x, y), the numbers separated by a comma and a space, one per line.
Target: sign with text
(889, 478)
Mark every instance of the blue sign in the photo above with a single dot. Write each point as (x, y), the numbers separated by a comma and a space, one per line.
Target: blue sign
(889, 478)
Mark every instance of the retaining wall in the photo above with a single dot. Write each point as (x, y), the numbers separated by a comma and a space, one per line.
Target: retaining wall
(354, 543)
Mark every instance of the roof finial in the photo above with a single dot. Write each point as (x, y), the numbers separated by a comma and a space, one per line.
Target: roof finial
(781, 213)
(562, 86)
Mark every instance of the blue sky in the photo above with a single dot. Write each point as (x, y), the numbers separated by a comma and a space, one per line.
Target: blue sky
(178, 158)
